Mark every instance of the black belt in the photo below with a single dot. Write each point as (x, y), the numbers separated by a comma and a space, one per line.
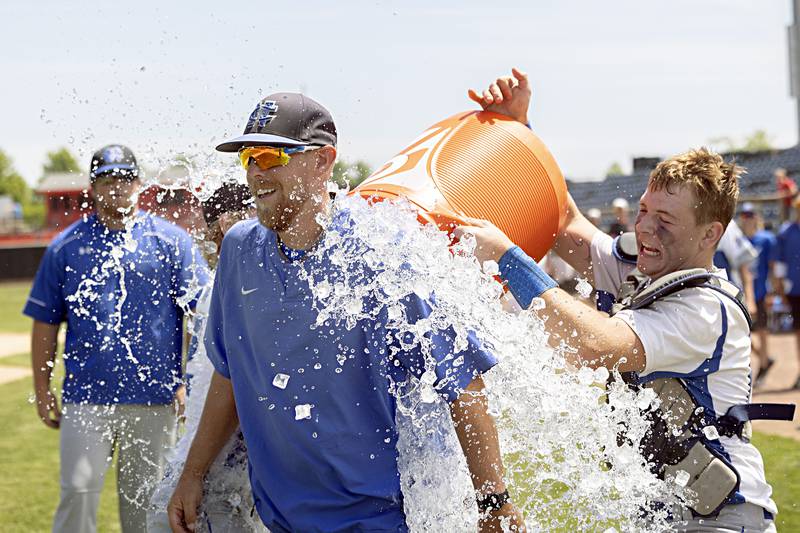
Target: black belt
(732, 422)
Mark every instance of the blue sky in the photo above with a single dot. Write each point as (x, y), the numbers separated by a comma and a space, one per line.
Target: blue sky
(611, 79)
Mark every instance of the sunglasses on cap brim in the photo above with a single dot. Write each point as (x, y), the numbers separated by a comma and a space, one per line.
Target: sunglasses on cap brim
(270, 156)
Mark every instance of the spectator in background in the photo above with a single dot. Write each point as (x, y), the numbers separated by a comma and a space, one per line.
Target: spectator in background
(789, 268)
(595, 216)
(787, 190)
(735, 254)
(121, 279)
(227, 499)
(559, 270)
(621, 212)
(763, 271)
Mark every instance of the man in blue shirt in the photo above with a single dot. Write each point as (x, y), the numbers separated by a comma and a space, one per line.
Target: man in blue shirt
(320, 429)
(789, 257)
(763, 270)
(121, 280)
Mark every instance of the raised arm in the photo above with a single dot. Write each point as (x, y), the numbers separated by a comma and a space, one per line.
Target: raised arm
(574, 240)
(217, 424)
(511, 96)
(478, 437)
(601, 340)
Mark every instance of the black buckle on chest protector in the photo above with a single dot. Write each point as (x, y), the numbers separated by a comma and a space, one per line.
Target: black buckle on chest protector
(735, 421)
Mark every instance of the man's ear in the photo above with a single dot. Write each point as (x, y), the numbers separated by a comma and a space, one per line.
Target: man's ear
(326, 158)
(712, 235)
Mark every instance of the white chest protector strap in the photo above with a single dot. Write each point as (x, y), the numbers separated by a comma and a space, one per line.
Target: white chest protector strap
(679, 443)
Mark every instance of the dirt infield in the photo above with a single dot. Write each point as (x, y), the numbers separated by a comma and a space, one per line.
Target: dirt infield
(14, 343)
(778, 386)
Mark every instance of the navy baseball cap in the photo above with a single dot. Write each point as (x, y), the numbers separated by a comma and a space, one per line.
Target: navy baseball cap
(285, 120)
(114, 160)
(228, 197)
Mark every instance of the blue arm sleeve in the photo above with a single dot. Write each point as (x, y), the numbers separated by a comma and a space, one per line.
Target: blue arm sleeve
(524, 277)
(454, 371)
(46, 301)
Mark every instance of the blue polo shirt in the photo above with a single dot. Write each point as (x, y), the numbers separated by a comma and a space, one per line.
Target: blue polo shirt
(789, 254)
(334, 468)
(124, 323)
(767, 245)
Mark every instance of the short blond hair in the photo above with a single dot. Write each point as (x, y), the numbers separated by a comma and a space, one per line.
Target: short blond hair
(714, 182)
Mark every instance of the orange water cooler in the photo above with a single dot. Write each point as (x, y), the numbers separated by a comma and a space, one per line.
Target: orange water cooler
(482, 165)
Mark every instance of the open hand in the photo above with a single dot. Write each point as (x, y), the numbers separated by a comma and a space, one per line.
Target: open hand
(48, 410)
(180, 401)
(507, 95)
(490, 242)
(182, 508)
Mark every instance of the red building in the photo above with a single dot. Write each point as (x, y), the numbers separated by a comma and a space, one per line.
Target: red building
(68, 196)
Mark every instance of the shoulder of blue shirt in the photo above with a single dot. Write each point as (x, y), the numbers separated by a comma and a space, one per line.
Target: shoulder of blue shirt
(244, 234)
(77, 229)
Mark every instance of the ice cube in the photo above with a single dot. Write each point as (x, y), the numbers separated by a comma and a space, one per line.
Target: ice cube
(711, 433)
(682, 478)
(280, 380)
(395, 312)
(421, 290)
(302, 411)
(354, 306)
(428, 377)
(491, 268)
(537, 304)
(427, 394)
(583, 288)
(323, 289)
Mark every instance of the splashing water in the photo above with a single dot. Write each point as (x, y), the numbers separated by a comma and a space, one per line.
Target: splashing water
(559, 426)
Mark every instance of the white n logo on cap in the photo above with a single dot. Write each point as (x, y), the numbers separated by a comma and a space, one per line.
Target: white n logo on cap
(113, 154)
(262, 115)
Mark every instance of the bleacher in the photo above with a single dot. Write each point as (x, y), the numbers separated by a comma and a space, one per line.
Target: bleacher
(757, 185)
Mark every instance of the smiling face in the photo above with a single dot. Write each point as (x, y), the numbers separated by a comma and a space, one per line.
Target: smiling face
(668, 235)
(115, 198)
(282, 193)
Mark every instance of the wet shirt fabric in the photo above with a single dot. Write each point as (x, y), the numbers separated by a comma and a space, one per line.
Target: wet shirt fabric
(767, 246)
(789, 255)
(703, 338)
(314, 402)
(123, 296)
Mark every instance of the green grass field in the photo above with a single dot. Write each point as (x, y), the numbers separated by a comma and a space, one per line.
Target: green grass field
(12, 300)
(29, 451)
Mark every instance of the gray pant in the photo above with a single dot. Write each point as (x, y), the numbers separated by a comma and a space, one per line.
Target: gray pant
(141, 435)
(742, 518)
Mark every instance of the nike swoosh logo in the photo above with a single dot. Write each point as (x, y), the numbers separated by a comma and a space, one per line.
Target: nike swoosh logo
(246, 292)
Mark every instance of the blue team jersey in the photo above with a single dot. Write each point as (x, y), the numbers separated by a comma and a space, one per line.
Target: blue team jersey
(123, 302)
(767, 245)
(789, 254)
(322, 450)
